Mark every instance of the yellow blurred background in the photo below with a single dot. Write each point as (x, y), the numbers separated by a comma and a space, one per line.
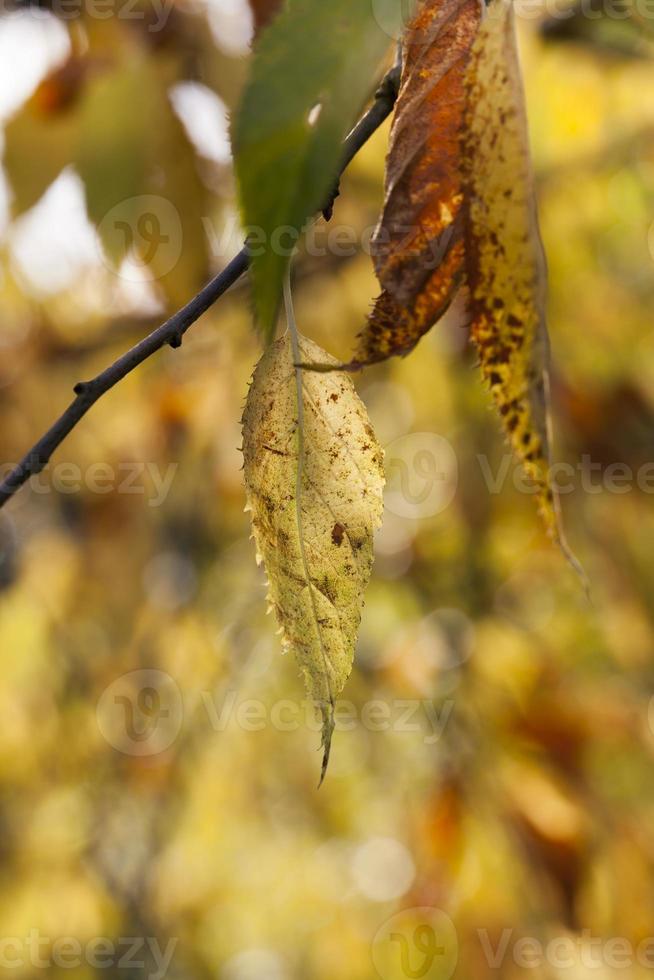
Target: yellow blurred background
(489, 807)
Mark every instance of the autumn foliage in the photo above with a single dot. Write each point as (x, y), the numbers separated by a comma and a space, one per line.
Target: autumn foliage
(418, 248)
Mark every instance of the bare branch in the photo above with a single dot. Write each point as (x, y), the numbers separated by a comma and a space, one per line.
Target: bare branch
(172, 331)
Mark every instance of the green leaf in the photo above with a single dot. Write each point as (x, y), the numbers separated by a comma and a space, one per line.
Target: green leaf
(37, 149)
(143, 188)
(325, 52)
(112, 155)
(144, 191)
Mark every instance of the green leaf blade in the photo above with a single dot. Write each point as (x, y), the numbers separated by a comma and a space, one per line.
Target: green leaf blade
(314, 53)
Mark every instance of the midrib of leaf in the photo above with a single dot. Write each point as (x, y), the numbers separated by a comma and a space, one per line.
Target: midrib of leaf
(328, 713)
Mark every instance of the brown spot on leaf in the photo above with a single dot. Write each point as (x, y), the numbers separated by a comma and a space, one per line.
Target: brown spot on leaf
(337, 534)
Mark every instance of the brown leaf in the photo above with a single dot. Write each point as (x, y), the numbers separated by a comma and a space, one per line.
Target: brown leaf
(418, 246)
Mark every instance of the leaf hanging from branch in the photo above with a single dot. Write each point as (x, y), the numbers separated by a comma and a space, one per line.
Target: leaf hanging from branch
(314, 480)
(418, 246)
(315, 53)
(506, 266)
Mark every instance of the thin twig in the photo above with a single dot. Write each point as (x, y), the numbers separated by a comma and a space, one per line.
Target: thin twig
(172, 331)
(385, 97)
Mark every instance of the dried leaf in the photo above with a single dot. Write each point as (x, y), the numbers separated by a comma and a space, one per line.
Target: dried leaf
(505, 259)
(418, 246)
(315, 494)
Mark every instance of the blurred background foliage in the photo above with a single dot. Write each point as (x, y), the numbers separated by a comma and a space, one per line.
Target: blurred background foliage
(534, 810)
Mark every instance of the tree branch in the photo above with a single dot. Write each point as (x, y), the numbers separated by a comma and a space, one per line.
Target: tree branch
(172, 331)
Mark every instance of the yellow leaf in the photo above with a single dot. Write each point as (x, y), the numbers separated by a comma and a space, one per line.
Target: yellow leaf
(505, 258)
(314, 481)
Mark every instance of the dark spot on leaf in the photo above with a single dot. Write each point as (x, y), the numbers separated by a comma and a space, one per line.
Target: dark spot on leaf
(337, 534)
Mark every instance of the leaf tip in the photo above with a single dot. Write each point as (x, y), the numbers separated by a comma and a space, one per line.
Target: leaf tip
(328, 723)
